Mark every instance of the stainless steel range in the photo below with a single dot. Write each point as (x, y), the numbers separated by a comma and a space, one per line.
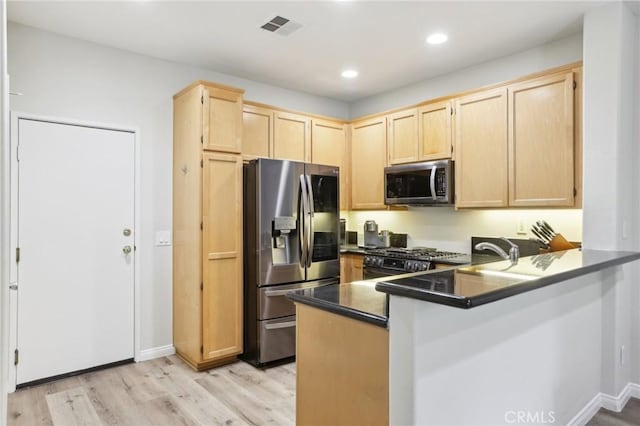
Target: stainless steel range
(394, 261)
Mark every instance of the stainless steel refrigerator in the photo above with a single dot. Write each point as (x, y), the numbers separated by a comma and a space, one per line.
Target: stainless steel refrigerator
(291, 235)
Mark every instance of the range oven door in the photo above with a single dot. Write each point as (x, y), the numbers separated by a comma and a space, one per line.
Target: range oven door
(370, 272)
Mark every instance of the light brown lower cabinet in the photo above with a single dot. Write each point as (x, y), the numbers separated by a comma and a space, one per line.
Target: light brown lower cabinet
(351, 267)
(342, 370)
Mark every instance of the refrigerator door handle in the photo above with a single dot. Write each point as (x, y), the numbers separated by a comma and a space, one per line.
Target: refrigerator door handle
(303, 208)
(310, 236)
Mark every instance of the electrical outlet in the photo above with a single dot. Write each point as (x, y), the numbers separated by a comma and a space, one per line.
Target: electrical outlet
(163, 238)
(521, 229)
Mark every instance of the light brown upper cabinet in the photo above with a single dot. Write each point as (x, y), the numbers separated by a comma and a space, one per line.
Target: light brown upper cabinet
(257, 132)
(329, 146)
(577, 135)
(291, 136)
(434, 131)
(403, 137)
(541, 142)
(368, 160)
(481, 169)
(222, 126)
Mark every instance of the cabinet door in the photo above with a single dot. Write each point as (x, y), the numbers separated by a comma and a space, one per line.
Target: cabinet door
(368, 160)
(481, 170)
(291, 138)
(434, 131)
(222, 124)
(257, 132)
(222, 256)
(329, 146)
(351, 267)
(403, 137)
(541, 142)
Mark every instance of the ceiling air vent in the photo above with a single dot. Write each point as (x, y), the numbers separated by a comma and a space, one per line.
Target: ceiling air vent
(282, 26)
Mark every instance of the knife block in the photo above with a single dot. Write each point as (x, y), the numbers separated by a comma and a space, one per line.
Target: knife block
(559, 243)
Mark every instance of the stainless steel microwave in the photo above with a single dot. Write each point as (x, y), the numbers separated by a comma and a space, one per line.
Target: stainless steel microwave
(426, 184)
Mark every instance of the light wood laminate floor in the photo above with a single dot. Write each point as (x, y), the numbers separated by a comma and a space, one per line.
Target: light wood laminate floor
(163, 391)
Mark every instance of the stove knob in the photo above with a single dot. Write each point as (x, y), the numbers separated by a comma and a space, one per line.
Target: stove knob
(379, 261)
(424, 266)
(367, 261)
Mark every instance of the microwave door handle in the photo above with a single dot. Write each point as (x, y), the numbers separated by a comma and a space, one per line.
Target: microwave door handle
(310, 235)
(303, 200)
(432, 182)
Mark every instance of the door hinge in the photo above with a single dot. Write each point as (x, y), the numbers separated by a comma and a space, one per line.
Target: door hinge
(202, 99)
(201, 349)
(575, 192)
(201, 286)
(452, 149)
(18, 152)
(17, 254)
(16, 354)
(452, 109)
(201, 164)
(201, 139)
(201, 228)
(575, 85)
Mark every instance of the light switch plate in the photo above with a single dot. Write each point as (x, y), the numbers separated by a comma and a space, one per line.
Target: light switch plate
(163, 238)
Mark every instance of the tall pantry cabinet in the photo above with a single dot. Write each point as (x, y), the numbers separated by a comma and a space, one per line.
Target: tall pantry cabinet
(207, 224)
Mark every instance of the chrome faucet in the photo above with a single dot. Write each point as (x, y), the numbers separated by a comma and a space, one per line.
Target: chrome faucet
(514, 251)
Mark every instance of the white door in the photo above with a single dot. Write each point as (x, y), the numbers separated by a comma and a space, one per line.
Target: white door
(75, 220)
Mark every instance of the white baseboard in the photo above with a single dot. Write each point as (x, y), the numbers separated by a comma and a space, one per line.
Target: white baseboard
(609, 402)
(587, 412)
(160, 351)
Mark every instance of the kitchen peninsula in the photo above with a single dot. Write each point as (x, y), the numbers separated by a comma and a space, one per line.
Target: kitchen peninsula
(490, 338)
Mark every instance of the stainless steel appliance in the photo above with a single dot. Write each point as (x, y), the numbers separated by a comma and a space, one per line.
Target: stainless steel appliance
(427, 183)
(395, 261)
(291, 232)
(371, 236)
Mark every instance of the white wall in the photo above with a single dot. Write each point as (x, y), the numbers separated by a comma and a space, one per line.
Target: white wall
(447, 229)
(543, 57)
(65, 77)
(610, 216)
(635, 289)
(537, 352)
(4, 216)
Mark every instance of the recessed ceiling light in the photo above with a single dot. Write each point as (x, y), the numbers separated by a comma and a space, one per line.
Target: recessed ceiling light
(349, 73)
(437, 38)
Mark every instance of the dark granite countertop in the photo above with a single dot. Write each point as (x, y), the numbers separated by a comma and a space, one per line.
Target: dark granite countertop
(470, 286)
(358, 300)
(352, 248)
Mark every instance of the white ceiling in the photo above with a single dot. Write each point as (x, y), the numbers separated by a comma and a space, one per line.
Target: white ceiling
(385, 41)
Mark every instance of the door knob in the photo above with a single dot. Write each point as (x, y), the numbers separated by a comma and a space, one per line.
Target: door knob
(126, 249)
(126, 232)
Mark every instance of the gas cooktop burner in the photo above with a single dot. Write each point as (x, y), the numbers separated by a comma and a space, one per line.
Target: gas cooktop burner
(418, 253)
